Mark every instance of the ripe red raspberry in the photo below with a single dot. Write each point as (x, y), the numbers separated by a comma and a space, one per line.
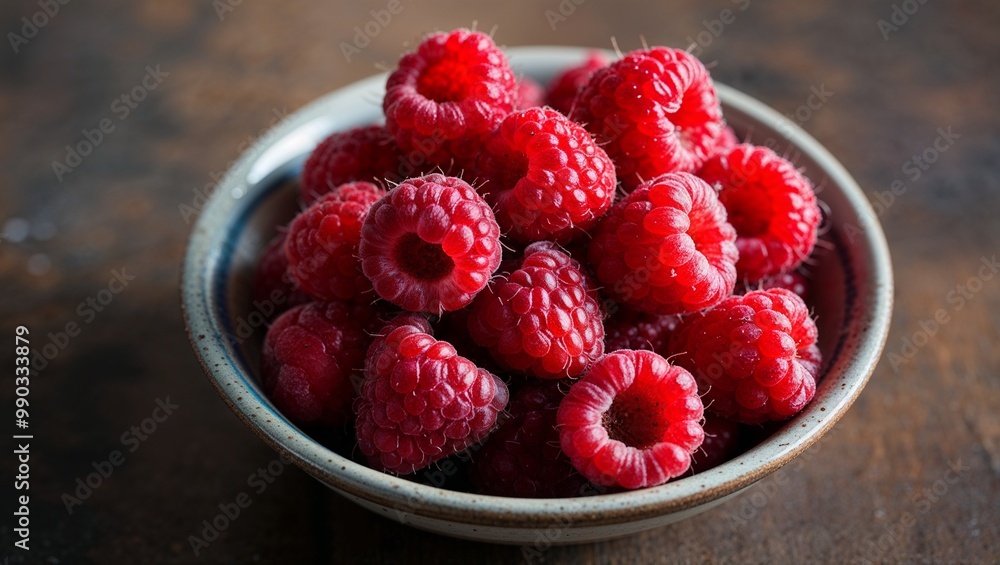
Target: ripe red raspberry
(430, 245)
(272, 284)
(563, 89)
(444, 98)
(633, 420)
(546, 178)
(628, 329)
(420, 401)
(543, 319)
(322, 244)
(771, 205)
(361, 154)
(755, 356)
(529, 94)
(666, 248)
(722, 440)
(310, 355)
(522, 457)
(654, 111)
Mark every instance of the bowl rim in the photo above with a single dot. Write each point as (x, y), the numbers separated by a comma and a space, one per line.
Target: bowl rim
(201, 316)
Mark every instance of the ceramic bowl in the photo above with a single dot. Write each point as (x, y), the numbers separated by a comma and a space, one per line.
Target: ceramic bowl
(852, 285)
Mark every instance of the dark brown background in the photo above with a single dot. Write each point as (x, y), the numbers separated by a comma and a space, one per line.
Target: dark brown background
(227, 80)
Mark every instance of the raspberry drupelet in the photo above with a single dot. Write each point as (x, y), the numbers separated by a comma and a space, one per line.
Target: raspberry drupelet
(445, 97)
(322, 243)
(543, 319)
(633, 420)
(430, 245)
(654, 111)
(420, 401)
(545, 177)
(772, 206)
(755, 356)
(666, 248)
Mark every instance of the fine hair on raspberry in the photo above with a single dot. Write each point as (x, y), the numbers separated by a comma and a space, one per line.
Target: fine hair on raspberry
(666, 248)
(322, 243)
(542, 319)
(444, 98)
(633, 420)
(430, 245)
(654, 111)
(772, 206)
(755, 356)
(545, 176)
(420, 401)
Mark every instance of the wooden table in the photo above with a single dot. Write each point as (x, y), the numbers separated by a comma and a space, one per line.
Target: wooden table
(169, 93)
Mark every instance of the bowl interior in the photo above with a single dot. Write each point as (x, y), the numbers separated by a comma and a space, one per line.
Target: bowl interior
(851, 289)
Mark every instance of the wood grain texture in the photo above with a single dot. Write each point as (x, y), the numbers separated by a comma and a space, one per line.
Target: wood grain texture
(881, 486)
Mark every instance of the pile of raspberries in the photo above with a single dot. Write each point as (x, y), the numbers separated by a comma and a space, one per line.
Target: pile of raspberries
(575, 288)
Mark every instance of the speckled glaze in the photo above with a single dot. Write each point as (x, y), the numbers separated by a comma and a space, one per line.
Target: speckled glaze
(852, 283)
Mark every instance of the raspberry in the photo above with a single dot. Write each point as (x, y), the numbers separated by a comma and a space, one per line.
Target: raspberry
(722, 440)
(666, 248)
(543, 319)
(444, 98)
(522, 457)
(322, 244)
(563, 89)
(361, 154)
(632, 421)
(430, 245)
(546, 177)
(654, 111)
(420, 401)
(755, 356)
(529, 94)
(793, 281)
(771, 205)
(628, 329)
(310, 355)
(272, 284)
